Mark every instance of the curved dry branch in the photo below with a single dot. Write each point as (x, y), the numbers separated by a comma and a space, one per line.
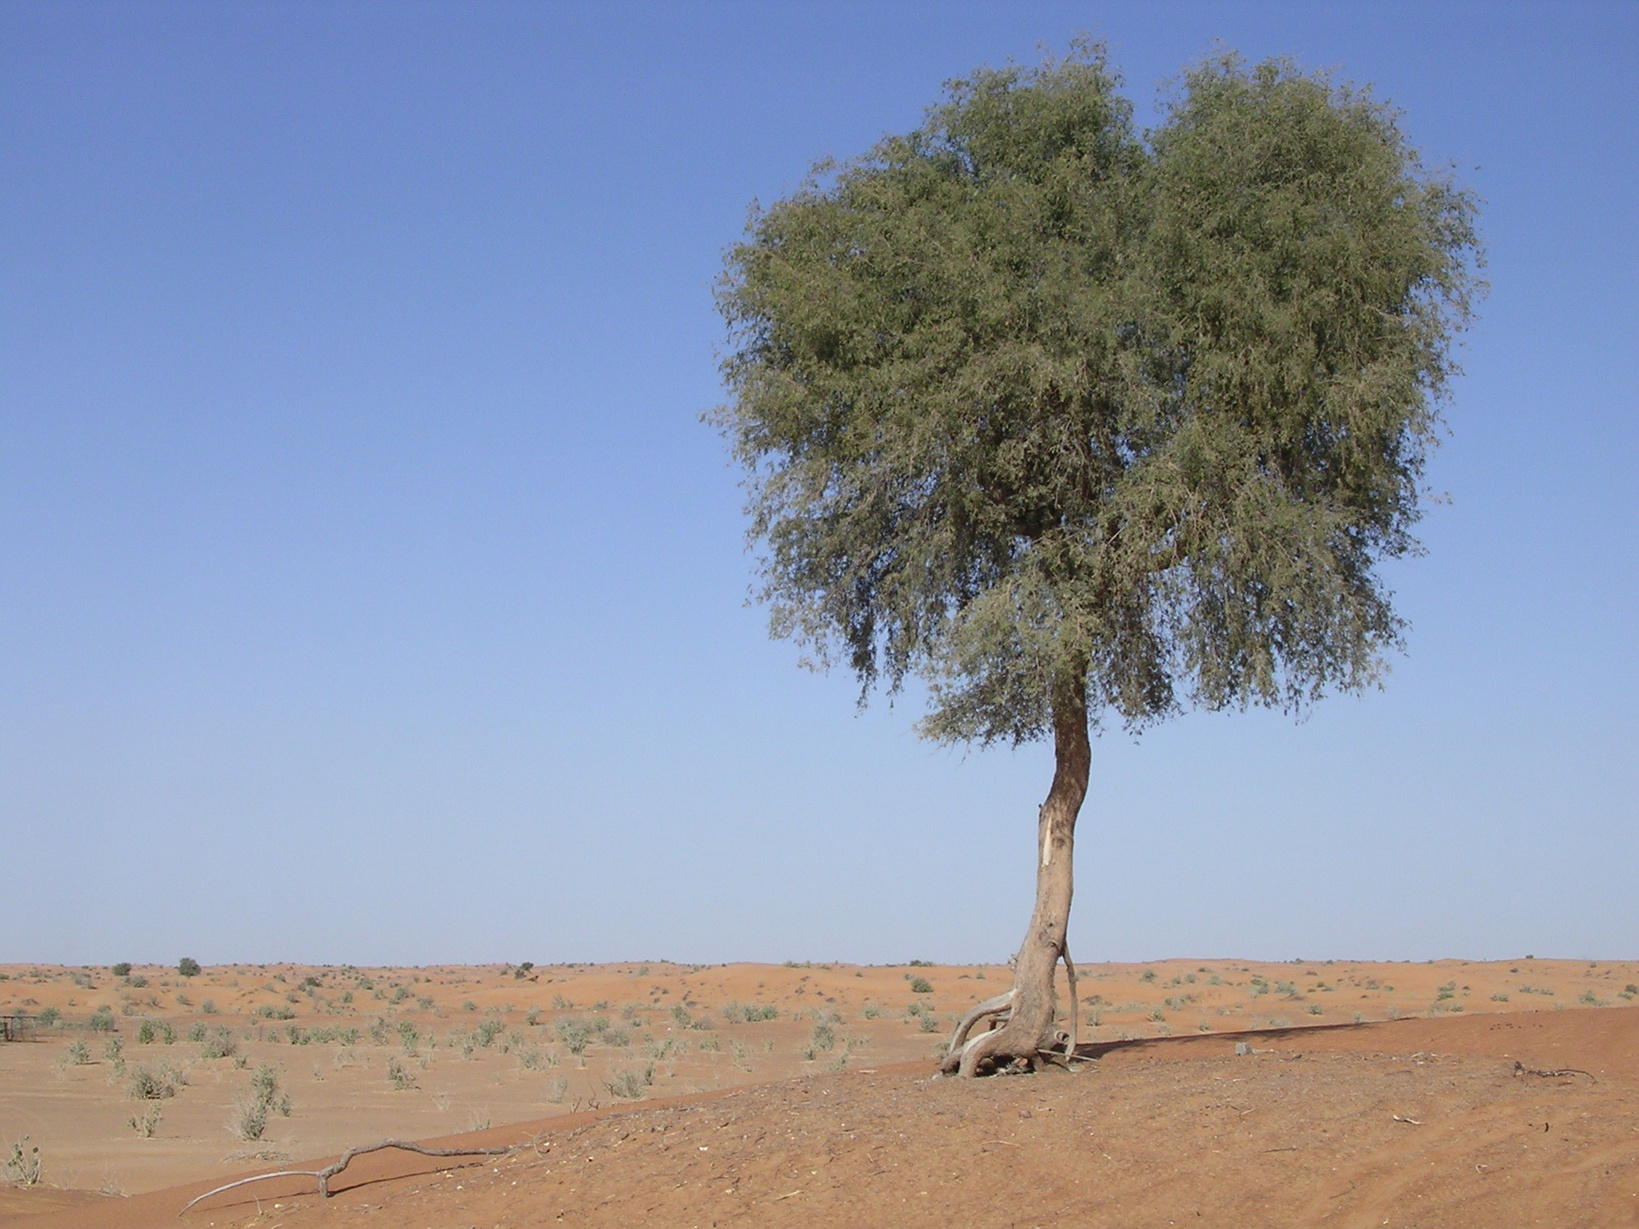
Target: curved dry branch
(330, 1171)
(990, 1007)
(1070, 1041)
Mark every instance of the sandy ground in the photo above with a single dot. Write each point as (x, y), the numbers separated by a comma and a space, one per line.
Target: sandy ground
(1177, 1129)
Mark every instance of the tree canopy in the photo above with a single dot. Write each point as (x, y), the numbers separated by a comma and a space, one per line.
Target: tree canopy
(1030, 400)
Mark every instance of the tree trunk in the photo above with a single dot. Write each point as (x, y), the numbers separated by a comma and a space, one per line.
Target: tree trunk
(1030, 1026)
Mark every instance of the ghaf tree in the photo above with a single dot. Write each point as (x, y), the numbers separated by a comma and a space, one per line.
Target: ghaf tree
(1080, 425)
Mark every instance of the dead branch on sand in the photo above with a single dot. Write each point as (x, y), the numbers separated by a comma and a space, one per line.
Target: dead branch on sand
(1521, 1069)
(330, 1171)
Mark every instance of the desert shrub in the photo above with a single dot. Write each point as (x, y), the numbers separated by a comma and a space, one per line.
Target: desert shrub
(146, 1032)
(469, 1005)
(1148, 975)
(379, 1032)
(749, 1013)
(574, 1034)
(122, 969)
(1590, 998)
(156, 1083)
(188, 967)
(102, 1020)
(487, 1031)
(929, 1023)
(824, 1037)
(681, 1016)
(400, 1076)
(23, 1167)
(274, 1011)
(630, 1082)
(559, 1003)
(218, 1044)
(921, 985)
(208, 1007)
(196, 1034)
(532, 1017)
(870, 1011)
(557, 1089)
(79, 1054)
(249, 1115)
(712, 1043)
(146, 1125)
(1499, 998)
(47, 1017)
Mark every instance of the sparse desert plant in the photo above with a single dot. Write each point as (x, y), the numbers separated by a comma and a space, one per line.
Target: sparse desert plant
(556, 1089)
(196, 1034)
(559, 1003)
(208, 1007)
(921, 985)
(122, 969)
(469, 1005)
(79, 1054)
(399, 1076)
(574, 1034)
(1147, 975)
(156, 1083)
(218, 1044)
(1314, 1009)
(630, 1082)
(188, 967)
(824, 1037)
(102, 1020)
(23, 1165)
(1589, 997)
(146, 1125)
(1499, 997)
(532, 1017)
(408, 1035)
(870, 1010)
(248, 1118)
(713, 1043)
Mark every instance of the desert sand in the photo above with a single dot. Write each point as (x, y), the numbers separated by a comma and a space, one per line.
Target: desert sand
(1413, 1092)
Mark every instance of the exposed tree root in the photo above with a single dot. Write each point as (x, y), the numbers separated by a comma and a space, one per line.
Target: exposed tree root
(966, 1052)
(330, 1171)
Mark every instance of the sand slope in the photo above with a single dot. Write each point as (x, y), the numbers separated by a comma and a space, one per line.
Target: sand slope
(1442, 1122)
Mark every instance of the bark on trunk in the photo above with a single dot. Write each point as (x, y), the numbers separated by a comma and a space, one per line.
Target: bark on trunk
(1030, 1026)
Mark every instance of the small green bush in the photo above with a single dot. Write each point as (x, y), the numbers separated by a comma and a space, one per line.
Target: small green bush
(921, 985)
(188, 967)
(122, 969)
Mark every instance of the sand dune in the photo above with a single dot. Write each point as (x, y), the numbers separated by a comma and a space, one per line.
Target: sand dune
(1423, 1120)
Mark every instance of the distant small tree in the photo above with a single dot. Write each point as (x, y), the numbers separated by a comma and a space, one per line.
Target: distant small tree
(122, 969)
(1078, 425)
(188, 967)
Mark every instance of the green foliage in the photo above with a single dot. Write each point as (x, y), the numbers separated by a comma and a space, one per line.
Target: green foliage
(102, 1020)
(1028, 402)
(122, 969)
(921, 985)
(188, 967)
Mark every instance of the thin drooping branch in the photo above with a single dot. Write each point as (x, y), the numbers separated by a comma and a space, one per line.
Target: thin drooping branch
(330, 1171)
(1070, 968)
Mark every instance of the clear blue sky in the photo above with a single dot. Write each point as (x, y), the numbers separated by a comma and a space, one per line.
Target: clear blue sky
(370, 591)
